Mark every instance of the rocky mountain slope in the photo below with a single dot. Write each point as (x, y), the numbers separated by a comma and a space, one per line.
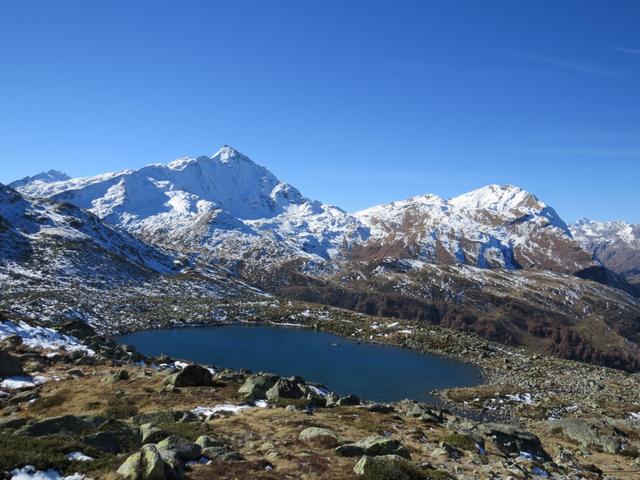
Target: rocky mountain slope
(492, 227)
(615, 244)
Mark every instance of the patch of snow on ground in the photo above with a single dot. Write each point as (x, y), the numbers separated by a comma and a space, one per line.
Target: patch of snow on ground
(18, 383)
(79, 457)
(227, 408)
(30, 473)
(41, 337)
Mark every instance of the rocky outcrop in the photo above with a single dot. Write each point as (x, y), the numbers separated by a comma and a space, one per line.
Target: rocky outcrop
(255, 387)
(191, 376)
(322, 437)
(512, 439)
(373, 446)
(9, 365)
(146, 464)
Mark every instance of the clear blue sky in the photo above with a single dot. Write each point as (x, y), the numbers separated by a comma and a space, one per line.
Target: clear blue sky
(353, 102)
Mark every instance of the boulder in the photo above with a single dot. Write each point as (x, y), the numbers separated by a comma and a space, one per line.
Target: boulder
(348, 401)
(589, 433)
(511, 439)
(284, 388)
(221, 453)
(191, 376)
(388, 467)
(183, 448)
(322, 437)
(205, 441)
(11, 423)
(255, 386)
(62, 424)
(149, 433)
(77, 328)
(372, 446)
(146, 464)
(423, 412)
(10, 366)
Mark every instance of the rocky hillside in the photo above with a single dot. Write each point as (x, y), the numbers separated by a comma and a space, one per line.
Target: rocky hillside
(615, 244)
(58, 261)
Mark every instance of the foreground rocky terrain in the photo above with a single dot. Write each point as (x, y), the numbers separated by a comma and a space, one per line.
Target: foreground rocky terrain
(76, 404)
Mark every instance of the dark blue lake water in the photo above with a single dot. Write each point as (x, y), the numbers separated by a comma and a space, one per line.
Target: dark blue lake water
(374, 372)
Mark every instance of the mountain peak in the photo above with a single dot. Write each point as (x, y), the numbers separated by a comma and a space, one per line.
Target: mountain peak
(226, 153)
(499, 198)
(49, 176)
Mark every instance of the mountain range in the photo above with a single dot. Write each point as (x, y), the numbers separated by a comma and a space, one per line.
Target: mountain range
(497, 261)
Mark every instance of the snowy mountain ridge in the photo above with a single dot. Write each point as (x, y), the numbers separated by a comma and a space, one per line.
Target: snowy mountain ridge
(491, 227)
(229, 209)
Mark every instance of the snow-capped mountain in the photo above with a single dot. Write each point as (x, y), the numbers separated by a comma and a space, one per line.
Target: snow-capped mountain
(225, 206)
(492, 227)
(615, 244)
(43, 177)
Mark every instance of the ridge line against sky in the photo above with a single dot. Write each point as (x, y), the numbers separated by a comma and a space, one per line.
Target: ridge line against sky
(352, 103)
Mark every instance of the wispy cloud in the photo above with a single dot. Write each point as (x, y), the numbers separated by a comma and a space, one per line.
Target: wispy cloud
(570, 65)
(632, 51)
(613, 152)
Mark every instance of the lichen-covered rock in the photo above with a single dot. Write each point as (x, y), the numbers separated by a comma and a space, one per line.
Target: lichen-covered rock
(183, 448)
(322, 437)
(146, 464)
(284, 388)
(61, 424)
(149, 433)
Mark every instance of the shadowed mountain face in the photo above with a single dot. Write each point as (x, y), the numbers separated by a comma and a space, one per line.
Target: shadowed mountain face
(615, 244)
(497, 261)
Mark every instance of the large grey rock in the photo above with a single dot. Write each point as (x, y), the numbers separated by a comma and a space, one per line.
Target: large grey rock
(11, 423)
(62, 424)
(388, 467)
(10, 366)
(149, 433)
(321, 437)
(374, 445)
(349, 400)
(183, 448)
(284, 388)
(511, 439)
(191, 376)
(221, 453)
(206, 441)
(255, 386)
(147, 464)
(587, 434)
